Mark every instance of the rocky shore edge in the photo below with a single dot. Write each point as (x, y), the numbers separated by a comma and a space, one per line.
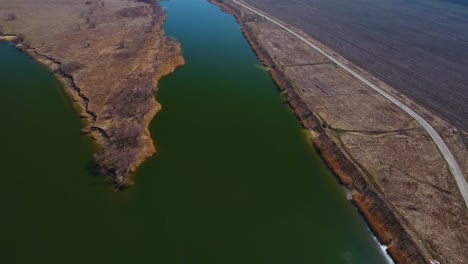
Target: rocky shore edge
(378, 213)
(99, 136)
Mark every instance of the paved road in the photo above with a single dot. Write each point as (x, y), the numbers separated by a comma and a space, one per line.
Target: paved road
(451, 161)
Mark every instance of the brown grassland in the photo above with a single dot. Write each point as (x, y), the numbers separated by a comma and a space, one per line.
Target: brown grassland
(111, 53)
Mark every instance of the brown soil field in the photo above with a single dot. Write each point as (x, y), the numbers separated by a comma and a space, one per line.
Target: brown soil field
(399, 180)
(111, 54)
(418, 47)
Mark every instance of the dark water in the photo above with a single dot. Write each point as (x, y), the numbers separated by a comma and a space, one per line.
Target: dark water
(458, 2)
(235, 179)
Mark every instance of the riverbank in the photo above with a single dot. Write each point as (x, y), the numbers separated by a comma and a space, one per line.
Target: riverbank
(110, 76)
(242, 184)
(79, 100)
(375, 196)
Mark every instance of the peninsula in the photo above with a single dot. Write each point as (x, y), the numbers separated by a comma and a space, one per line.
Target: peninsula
(110, 55)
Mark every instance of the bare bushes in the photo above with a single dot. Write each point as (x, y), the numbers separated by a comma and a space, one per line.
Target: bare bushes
(10, 17)
(92, 25)
(129, 49)
(129, 106)
(172, 43)
(121, 151)
(70, 68)
(19, 39)
(132, 12)
(133, 101)
(158, 14)
(146, 1)
(121, 44)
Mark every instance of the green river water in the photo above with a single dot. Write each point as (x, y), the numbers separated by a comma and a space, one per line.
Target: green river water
(235, 179)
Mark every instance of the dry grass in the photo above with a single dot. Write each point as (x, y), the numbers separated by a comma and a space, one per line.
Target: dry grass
(418, 47)
(114, 51)
(390, 149)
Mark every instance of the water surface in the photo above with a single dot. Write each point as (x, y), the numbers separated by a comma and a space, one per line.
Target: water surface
(235, 178)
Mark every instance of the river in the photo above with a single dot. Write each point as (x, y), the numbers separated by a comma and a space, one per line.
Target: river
(235, 178)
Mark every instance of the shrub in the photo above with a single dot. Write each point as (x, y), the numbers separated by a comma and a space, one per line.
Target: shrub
(70, 68)
(132, 12)
(10, 17)
(121, 45)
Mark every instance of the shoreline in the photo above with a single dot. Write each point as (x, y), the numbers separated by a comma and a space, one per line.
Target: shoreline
(67, 81)
(379, 216)
(99, 135)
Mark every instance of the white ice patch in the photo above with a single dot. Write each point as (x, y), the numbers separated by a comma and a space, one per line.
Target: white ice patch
(383, 248)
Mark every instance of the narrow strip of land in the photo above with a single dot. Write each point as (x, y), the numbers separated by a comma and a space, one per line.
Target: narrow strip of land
(437, 139)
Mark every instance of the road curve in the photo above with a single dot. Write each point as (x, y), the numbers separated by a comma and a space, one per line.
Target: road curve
(444, 150)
